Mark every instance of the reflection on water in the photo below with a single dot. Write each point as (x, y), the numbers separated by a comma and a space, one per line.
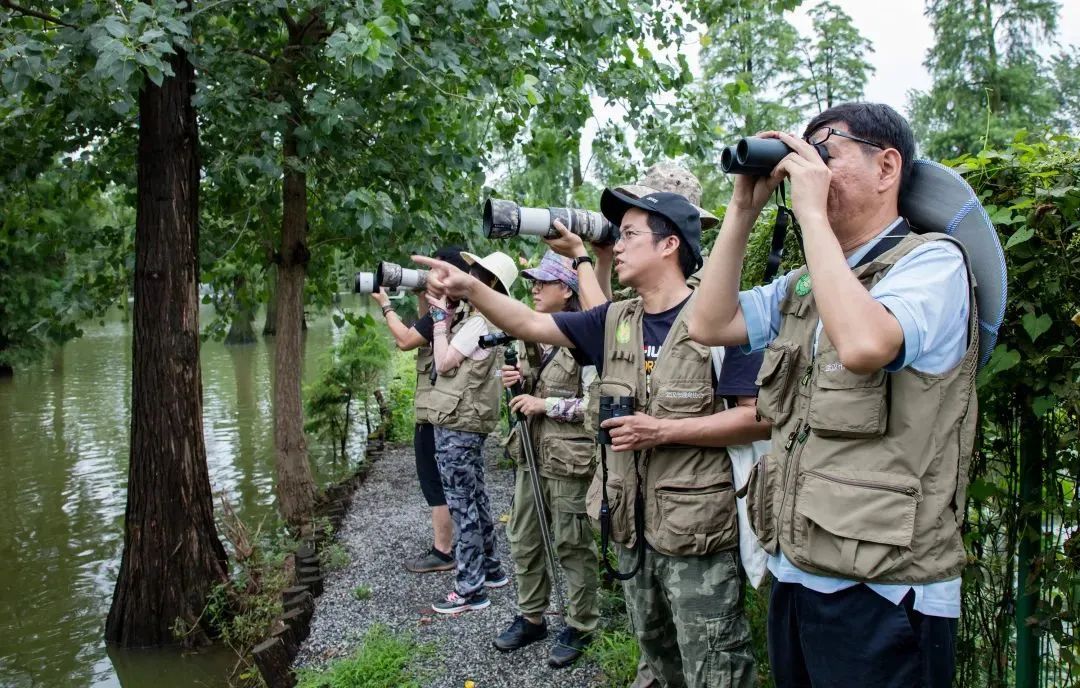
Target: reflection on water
(63, 460)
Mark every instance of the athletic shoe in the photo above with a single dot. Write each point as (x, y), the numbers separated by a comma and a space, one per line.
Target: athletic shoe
(495, 579)
(455, 603)
(522, 632)
(570, 645)
(432, 560)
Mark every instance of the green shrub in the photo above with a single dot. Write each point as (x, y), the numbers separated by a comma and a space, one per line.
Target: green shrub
(616, 652)
(401, 393)
(381, 661)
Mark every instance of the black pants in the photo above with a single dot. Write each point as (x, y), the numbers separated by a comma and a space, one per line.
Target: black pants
(856, 638)
(426, 468)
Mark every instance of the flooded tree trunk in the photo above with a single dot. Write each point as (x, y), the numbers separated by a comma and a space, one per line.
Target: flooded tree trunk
(242, 327)
(295, 484)
(172, 554)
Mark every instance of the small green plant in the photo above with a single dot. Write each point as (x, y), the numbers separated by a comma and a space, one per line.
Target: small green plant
(361, 593)
(616, 651)
(334, 557)
(381, 661)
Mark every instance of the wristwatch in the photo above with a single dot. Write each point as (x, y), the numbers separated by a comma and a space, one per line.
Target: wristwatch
(582, 259)
(437, 314)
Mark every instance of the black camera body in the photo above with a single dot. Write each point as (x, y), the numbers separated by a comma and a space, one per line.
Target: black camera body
(758, 156)
(490, 341)
(613, 407)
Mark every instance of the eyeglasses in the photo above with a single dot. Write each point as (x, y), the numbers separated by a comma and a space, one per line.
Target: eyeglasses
(627, 235)
(538, 283)
(822, 135)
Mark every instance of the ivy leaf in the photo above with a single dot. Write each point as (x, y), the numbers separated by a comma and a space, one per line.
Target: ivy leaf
(1043, 405)
(1035, 326)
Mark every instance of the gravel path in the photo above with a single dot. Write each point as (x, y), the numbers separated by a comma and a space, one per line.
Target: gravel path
(388, 520)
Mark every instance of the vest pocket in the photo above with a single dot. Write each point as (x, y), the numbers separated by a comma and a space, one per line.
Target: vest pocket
(570, 457)
(683, 401)
(760, 488)
(855, 524)
(776, 381)
(847, 404)
(442, 406)
(620, 522)
(512, 444)
(697, 515)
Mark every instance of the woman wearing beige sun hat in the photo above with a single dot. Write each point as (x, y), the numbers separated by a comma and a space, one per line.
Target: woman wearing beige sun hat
(465, 410)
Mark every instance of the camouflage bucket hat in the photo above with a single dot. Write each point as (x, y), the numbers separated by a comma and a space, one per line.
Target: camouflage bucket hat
(671, 178)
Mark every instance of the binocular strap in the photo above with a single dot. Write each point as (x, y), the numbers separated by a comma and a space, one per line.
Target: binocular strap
(784, 219)
(611, 573)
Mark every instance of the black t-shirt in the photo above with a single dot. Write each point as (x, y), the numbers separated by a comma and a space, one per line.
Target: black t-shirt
(586, 331)
(425, 327)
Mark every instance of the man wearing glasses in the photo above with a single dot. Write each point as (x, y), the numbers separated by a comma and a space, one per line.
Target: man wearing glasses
(868, 378)
(686, 600)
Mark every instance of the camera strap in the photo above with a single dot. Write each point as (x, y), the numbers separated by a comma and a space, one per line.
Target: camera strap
(784, 219)
(611, 573)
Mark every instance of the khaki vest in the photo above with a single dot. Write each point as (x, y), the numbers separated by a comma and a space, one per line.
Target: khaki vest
(425, 363)
(466, 398)
(564, 450)
(867, 474)
(689, 501)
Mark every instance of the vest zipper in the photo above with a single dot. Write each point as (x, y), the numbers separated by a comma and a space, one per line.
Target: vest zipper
(909, 491)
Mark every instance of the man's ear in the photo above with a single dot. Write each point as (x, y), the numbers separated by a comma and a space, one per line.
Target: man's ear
(890, 167)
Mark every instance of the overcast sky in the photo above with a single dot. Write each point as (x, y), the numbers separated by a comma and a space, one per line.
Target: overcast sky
(900, 36)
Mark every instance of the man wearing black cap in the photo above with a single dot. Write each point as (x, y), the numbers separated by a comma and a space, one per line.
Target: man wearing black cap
(667, 460)
(440, 556)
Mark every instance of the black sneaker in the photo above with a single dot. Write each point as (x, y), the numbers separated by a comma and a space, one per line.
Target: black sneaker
(522, 632)
(570, 645)
(495, 579)
(455, 603)
(432, 560)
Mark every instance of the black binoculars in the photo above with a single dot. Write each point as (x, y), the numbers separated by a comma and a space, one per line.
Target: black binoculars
(613, 407)
(757, 156)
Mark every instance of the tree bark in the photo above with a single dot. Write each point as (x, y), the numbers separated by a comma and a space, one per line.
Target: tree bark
(295, 484)
(172, 554)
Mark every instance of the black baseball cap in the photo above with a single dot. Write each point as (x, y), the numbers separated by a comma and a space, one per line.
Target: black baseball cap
(674, 207)
(452, 255)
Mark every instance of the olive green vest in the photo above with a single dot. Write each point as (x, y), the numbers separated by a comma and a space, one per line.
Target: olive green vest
(467, 397)
(867, 474)
(689, 500)
(564, 450)
(425, 363)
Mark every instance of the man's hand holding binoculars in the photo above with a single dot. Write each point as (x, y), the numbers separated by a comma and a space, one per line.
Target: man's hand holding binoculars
(634, 433)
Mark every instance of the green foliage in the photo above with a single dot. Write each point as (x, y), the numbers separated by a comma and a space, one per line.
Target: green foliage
(836, 69)
(361, 593)
(989, 79)
(354, 370)
(616, 652)
(381, 661)
(334, 556)
(1029, 395)
(401, 394)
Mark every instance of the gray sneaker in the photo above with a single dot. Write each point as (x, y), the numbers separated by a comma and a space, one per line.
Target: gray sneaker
(430, 561)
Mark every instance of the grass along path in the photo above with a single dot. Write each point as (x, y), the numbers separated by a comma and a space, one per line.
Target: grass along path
(387, 522)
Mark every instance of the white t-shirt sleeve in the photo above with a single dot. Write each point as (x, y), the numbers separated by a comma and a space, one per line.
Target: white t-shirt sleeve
(467, 339)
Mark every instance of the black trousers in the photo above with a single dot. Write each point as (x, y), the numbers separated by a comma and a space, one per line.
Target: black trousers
(426, 468)
(856, 638)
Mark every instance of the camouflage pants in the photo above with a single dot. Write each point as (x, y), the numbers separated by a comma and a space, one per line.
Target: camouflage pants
(460, 457)
(574, 545)
(688, 615)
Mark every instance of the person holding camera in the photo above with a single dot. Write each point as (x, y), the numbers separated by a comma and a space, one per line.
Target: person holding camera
(440, 556)
(553, 406)
(464, 408)
(869, 379)
(685, 600)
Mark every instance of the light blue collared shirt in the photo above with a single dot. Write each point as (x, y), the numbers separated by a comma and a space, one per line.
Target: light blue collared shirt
(927, 291)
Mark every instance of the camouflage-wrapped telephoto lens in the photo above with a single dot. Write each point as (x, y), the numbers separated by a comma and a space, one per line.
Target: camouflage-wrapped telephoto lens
(392, 276)
(506, 219)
